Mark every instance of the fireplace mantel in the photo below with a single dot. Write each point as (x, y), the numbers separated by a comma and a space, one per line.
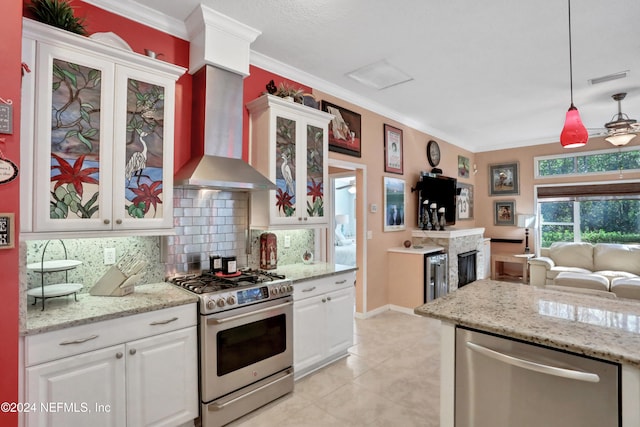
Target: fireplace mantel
(448, 233)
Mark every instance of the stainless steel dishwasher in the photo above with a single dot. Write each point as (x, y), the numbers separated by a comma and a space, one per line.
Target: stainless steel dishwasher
(501, 382)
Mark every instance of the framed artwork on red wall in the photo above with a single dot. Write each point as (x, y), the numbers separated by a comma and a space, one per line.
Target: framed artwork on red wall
(344, 130)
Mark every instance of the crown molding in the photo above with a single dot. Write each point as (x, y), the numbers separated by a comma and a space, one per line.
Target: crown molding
(143, 15)
(285, 70)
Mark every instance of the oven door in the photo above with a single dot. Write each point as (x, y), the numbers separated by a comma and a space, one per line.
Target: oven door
(245, 345)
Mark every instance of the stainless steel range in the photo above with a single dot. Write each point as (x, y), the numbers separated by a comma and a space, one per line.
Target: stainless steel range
(245, 341)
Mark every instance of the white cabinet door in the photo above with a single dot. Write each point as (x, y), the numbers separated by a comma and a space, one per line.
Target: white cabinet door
(308, 332)
(162, 379)
(82, 390)
(340, 309)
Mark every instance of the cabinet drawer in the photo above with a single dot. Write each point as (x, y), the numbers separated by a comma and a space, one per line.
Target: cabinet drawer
(79, 339)
(310, 288)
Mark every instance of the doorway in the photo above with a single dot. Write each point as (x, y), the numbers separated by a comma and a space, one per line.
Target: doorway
(347, 241)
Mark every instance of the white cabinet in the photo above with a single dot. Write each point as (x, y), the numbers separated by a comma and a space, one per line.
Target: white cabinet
(102, 138)
(146, 375)
(323, 321)
(289, 145)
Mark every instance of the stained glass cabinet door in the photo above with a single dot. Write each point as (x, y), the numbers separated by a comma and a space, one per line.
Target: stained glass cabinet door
(73, 136)
(143, 162)
(289, 145)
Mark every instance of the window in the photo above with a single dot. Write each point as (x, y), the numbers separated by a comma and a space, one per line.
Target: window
(594, 162)
(589, 213)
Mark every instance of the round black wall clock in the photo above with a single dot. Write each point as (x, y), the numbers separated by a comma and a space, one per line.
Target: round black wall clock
(433, 153)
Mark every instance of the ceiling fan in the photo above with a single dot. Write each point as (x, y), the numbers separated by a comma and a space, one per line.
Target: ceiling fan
(351, 186)
(621, 129)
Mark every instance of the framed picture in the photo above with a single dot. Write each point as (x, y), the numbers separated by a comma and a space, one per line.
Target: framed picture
(464, 201)
(393, 159)
(503, 179)
(463, 167)
(393, 204)
(344, 130)
(504, 212)
(7, 231)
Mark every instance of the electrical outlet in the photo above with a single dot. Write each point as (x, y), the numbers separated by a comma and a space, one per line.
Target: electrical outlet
(369, 234)
(109, 256)
(374, 208)
(287, 241)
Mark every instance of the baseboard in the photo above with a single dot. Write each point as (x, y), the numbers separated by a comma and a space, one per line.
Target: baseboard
(402, 309)
(382, 309)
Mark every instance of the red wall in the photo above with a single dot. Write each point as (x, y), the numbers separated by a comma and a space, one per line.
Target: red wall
(254, 86)
(11, 34)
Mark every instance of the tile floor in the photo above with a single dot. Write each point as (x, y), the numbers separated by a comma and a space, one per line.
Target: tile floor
(390, 378)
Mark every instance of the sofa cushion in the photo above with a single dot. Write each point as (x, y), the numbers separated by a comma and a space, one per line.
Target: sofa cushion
(580, 280)
(613, 256)
(553, 272)
(572, 254)
(614, 274)
(626, 288)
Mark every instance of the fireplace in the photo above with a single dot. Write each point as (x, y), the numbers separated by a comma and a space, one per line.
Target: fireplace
(466, 268)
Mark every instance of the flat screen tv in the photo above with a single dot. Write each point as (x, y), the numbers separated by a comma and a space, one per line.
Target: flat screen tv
(440, 190)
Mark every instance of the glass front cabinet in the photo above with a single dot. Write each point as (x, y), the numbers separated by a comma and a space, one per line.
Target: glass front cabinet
(289, 145)
(99, 122)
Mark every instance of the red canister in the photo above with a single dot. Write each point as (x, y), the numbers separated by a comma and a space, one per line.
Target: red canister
(268, 251)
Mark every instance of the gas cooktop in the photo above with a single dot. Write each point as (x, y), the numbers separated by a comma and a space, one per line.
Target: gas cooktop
(219, 292)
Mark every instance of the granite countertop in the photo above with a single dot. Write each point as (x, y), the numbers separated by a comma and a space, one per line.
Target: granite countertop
(315, 270)
(600, 327)
(65, 312)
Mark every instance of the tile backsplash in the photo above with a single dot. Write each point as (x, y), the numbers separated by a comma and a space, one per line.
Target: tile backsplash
(91, 253)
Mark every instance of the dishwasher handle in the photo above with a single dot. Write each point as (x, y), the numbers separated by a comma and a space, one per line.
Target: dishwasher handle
(534, 366)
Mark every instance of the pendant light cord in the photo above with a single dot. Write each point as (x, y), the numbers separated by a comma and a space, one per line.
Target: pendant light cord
(570, 55)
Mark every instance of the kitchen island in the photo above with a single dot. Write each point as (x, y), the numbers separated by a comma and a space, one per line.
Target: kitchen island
(602, 328)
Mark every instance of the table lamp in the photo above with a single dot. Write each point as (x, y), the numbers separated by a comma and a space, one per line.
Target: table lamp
(526, 221)
(341, 220)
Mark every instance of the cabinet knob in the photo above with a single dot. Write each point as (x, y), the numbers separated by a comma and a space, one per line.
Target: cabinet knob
(119, 355)
(328, 298)
(132, 351)
(107, 222)
(324, 300)
(305, 218)
(118, 221)
(299, 218)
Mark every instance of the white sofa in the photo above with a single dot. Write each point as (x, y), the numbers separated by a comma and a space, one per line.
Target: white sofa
(607, 267)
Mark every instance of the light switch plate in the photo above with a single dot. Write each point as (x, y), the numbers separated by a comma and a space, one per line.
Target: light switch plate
(287, 241)
(109, 256)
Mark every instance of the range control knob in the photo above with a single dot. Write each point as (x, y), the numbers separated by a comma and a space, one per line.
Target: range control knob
(289, 288)
(274, 291)
(220, 302)
(283, 289)
(231, 300)
(211, 305)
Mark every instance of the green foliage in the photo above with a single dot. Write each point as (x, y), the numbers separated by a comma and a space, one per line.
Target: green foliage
(57, 13)
(590, 163)
(66, 199)
(136, 211)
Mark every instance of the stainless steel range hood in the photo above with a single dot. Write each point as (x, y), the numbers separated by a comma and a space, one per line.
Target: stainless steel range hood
(217, 127)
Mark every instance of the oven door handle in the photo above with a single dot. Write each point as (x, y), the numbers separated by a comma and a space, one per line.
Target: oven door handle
(214, 321)
(219, 406)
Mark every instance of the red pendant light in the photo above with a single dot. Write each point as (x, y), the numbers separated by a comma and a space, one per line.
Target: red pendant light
(574, 134)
